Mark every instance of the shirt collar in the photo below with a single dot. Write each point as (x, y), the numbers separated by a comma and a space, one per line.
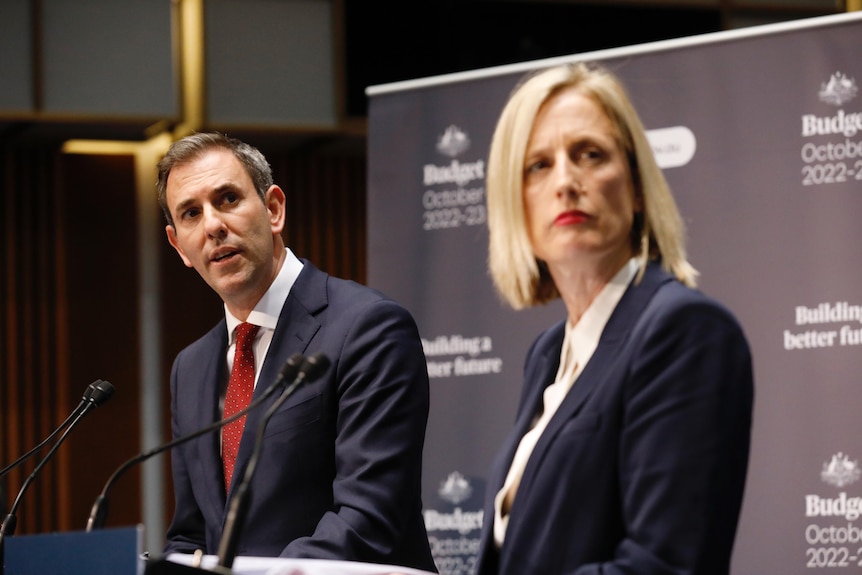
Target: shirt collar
(267, 310)
(584, 336)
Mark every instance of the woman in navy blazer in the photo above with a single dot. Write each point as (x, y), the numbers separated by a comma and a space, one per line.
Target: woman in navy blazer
(630, 447)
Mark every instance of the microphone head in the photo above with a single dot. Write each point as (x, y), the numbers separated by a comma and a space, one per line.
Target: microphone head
(314, 366)
(102, 391)
(91, 389)
(291, 367)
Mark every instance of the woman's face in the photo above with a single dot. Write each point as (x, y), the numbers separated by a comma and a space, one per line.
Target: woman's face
(578, 193)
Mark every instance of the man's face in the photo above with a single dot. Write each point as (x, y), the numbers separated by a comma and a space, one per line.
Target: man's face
(223, 229)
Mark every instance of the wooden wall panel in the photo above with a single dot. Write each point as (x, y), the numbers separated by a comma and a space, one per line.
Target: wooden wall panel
(69, 316)
(101, 277)
(34, 395)
(326, 212)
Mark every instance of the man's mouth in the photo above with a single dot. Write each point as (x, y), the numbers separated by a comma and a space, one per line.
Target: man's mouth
(223, 256)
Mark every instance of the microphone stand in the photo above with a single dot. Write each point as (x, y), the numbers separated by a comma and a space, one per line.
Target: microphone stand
(11, 521)
(295, 368)
(313, 368)
(86, 400)
(99, 511)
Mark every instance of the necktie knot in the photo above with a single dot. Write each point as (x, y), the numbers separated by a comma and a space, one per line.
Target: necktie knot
(245, 333)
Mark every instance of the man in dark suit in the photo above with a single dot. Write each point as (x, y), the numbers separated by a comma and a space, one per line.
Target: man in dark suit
(339, 477)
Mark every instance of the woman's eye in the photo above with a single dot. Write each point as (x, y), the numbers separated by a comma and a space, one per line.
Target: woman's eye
(535, 166)
(590, 154)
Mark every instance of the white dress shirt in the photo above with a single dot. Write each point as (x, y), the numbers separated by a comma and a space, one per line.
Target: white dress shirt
(265, 313)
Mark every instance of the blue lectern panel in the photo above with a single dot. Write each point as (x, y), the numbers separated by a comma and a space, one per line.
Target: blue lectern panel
(103, 552)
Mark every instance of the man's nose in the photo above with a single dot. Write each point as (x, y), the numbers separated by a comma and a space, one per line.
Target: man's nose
(213, 222)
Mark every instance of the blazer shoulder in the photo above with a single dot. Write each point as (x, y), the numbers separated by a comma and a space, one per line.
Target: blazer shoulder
(680, 312)
(316, 289)
(215, 338)
(677, 300)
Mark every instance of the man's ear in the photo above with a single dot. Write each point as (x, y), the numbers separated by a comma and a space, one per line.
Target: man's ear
(172, 239)
(276, 205)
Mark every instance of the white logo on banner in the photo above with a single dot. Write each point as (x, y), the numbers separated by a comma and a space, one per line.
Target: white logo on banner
(453, 531)
(453, 142)
(673, 147)
(455, 488)
(838, 90)
(837, 159)
(833, 539)
(454, 195)
(840, 471)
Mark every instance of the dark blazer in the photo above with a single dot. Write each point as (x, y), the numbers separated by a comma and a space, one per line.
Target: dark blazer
(642, 469)
(339, 476)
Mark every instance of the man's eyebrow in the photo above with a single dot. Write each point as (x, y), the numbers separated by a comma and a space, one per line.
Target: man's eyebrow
(183, 205)
(226, 187)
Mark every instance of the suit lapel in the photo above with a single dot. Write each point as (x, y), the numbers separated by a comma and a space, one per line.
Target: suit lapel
(611, 343)
(539, 375)
(296, 326)
(214, 370)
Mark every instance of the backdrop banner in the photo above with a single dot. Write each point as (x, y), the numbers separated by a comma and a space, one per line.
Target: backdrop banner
(760, 135)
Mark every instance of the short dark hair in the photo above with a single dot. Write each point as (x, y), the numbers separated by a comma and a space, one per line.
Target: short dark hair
(195, 145)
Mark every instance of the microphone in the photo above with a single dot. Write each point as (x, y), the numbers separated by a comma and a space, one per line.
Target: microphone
(97, 394)
(312, 368)
(98, 389)
(99, 511)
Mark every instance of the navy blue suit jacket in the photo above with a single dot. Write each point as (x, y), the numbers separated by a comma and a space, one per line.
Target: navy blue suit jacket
(340, 472)
(642, 468)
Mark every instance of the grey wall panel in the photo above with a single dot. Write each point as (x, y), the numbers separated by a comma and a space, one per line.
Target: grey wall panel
(16, 62)
(109, 58)
(269, 62)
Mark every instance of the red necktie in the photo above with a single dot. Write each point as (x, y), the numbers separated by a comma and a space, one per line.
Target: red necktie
(239, 391)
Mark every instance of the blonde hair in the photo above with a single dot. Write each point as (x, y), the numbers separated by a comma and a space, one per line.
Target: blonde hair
(658, 233)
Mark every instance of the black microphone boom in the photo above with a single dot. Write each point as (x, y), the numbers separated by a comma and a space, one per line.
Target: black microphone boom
(99, 511)
(100, 393)
(311, 369)
(94, 395)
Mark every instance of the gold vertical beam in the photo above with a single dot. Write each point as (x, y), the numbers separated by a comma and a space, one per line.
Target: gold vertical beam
(853, 5)
(191, 52)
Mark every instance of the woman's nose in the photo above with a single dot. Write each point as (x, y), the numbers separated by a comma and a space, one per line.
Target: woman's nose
(566, 179)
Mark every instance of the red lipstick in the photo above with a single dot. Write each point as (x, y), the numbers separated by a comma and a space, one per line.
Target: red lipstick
(570, 218)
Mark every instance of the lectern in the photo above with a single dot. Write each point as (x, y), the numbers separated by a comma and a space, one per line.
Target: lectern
(104, 552)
